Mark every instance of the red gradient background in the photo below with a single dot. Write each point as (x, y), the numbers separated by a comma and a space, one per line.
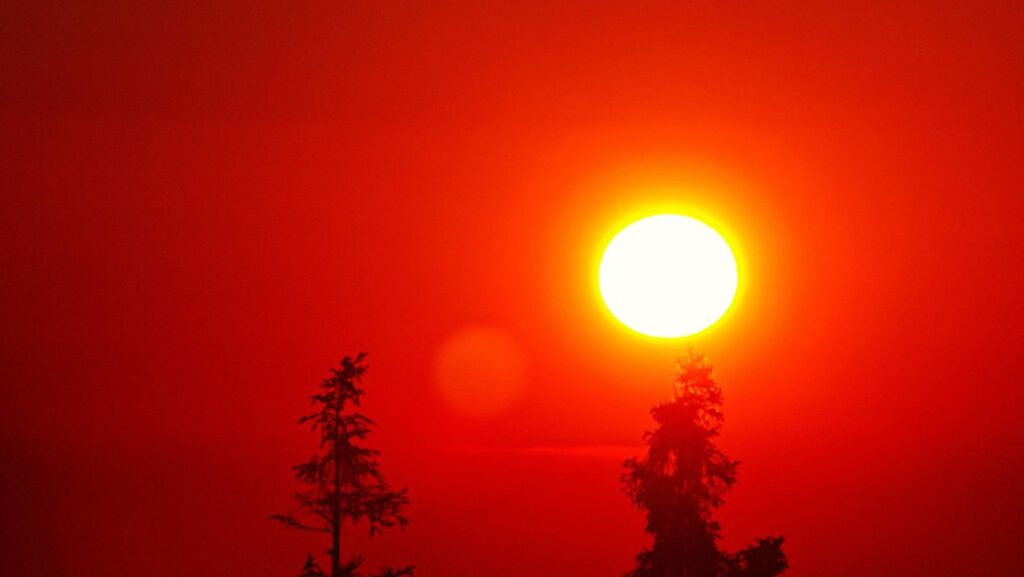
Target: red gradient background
(205, 207)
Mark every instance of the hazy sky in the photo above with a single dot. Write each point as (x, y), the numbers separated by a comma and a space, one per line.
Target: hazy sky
(204, 208)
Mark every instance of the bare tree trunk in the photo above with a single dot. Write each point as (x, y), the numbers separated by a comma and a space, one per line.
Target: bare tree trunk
(336, 543)
(336, 501)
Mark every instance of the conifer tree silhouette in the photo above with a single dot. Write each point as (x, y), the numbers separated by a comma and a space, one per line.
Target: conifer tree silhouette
(344, 479)
(682, 479)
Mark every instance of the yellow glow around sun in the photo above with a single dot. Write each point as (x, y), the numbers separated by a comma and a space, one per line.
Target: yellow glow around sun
(668, 276)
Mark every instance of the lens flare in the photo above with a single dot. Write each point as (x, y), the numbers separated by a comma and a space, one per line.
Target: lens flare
(481, 370)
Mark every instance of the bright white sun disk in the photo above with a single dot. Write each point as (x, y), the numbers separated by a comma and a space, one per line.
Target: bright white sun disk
(668, 276)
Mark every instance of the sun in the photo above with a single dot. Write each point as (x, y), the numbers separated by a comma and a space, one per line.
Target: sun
(668, 276)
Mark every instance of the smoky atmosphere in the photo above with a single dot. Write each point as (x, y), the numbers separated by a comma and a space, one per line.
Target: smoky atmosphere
(546, 289)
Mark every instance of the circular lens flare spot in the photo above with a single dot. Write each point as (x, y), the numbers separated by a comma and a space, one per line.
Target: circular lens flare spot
(480, 370)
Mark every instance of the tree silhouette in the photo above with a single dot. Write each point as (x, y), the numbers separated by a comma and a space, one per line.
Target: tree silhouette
(344, 479)
(763, 559)
(682, 479)
(311, 569)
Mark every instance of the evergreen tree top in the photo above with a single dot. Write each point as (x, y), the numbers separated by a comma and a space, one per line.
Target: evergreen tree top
(343, 481)
(682, 478)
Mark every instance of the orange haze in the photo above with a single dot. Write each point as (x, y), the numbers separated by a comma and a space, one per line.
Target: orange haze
(206, 206)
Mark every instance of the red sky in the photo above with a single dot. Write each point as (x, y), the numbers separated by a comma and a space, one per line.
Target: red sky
(203, 208)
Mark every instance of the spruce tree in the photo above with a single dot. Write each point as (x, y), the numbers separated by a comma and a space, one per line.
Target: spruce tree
(682, 479)
(344, 482)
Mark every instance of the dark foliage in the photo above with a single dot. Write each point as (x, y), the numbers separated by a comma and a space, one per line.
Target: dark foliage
(391, 572)
(311, 569)
(682, 479)
(344, 479)
(763, 559)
